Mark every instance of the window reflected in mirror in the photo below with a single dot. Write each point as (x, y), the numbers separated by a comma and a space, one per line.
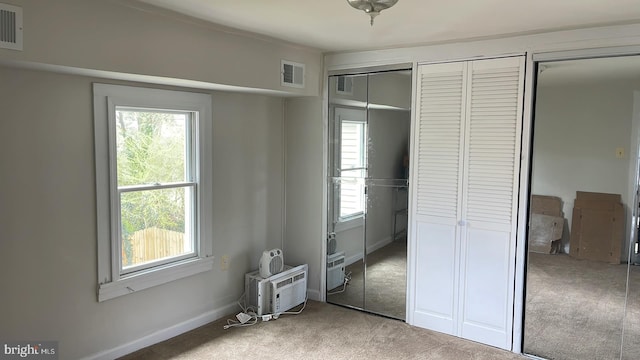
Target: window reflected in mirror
(369, 128)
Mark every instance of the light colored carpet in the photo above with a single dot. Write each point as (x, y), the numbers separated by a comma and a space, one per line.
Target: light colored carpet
(631, 336)
(384, 290)
(575, 309)
(322, 331)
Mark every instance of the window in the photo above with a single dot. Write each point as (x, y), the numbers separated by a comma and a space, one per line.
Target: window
(153, 180)
(352, 153)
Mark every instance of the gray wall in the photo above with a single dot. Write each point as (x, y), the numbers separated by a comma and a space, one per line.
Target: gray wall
(48, 219)
(47, 191)
(389, 142)
(126, 36)
(578, 127)
(304, 187)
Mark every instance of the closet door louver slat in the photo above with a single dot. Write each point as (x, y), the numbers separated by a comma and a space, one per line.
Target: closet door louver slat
(492, 163)
(438, 161)
(439, 145)
(467, 160)
(492, 149)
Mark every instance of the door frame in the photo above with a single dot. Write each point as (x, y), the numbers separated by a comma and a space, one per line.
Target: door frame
(533, 59)
(634, 178)
(329, 116)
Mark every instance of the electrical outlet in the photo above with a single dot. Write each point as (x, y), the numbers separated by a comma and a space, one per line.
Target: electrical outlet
(224, 263)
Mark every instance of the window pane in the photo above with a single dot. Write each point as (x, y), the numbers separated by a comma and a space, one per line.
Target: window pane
(151, 147)
(352, 145)
(351, 193)
(156, 224)
(352, 156)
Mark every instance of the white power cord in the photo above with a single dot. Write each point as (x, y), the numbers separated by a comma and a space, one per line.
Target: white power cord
(347, 279)
(249, 317)
(244, 319)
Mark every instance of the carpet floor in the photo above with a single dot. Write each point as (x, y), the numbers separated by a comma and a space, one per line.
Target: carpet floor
(321, 331)
(575, 309)
(384, 289)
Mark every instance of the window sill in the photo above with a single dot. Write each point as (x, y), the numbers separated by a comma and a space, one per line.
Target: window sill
(154, 277)
(352, 223)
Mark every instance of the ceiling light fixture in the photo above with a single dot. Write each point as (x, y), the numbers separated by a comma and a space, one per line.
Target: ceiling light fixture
(372, 7)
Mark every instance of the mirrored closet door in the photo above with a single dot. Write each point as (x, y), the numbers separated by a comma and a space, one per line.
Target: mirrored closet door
(583, 287)
(369, 126)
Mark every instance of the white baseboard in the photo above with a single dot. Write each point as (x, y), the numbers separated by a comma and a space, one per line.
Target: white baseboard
(313, 294)
(164, 334)
(378, 245)
(353, 258)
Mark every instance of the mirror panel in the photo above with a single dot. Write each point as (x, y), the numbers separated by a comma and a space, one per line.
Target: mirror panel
(369, 125)
(345, 260)
(386, 261)
(346, 202)
(631, 335)
(581, 208)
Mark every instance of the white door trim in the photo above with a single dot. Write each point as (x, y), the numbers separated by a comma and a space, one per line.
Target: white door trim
(525, 166)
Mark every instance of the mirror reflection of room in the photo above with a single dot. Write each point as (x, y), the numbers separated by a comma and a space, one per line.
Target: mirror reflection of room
(367, 221)
(583, 288)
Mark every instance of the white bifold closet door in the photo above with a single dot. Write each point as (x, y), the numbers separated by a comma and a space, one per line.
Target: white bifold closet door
(467, 158)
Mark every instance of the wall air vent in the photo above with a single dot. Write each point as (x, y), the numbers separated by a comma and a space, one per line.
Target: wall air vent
(292, 74)
(344, 85)
(10, 27)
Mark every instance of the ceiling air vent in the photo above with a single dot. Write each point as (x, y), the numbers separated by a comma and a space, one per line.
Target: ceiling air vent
(344, 85)
(10, 27)
(292, 74)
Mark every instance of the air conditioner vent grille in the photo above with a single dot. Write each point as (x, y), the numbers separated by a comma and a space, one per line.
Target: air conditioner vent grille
(292, 74)
(10, 27)
(284, 283)
(8, 20)
(344, 85)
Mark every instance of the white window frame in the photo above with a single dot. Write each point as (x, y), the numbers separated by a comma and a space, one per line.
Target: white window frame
(112, 282)
(356, 116)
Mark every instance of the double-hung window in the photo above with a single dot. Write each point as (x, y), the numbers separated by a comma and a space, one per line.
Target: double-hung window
(153, 178)
(352, 160)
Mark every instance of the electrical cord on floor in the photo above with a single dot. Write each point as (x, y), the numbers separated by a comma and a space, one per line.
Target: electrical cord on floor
(347, 279)
(250, 316)
(247, 317)
(236, 323)
(243, 304)
(304, 305)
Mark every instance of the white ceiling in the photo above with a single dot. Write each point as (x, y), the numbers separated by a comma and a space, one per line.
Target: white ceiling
(333, 25)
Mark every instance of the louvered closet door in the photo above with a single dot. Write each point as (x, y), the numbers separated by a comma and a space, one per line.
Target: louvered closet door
(492, 163)
(437, 205)
(467, 155)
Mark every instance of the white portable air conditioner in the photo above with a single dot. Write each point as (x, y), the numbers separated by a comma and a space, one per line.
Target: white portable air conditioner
(288, 289)
(277, 293)
(335, 270)
(271, 263)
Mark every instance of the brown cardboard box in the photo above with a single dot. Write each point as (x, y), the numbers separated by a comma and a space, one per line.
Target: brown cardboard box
(597, 227)
(546, 205)
(545, 233)
(545, 224)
